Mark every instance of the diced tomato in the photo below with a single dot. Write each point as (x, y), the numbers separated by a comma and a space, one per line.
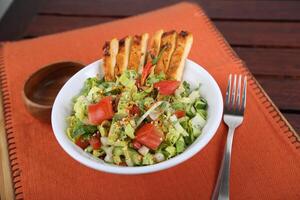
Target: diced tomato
(135, 110)
(103, 110)
(146, 72)
(82, 143)
(95, 142)
(167, 87)
(136, 145)
(150, 136)
(180, 113)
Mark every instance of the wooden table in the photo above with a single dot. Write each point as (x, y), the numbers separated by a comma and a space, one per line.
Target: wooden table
(265, 34)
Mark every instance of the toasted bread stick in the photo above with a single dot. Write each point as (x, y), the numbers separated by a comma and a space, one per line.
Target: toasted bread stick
(123, 55)
(138, 52)
(154, 45)
(168, 40)
(183, 47)
(110, 51)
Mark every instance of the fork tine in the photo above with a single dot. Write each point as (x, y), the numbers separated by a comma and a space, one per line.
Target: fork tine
(233, 92)
(228, 91)
(244, 93)
(238, 98)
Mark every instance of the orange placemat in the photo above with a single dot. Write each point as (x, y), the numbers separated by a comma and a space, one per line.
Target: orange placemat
(265, 161)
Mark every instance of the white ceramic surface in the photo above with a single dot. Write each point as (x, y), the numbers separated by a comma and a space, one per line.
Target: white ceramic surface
(193, 73)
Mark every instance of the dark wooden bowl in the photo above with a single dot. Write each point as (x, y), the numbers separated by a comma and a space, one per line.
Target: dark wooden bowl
(41, 88)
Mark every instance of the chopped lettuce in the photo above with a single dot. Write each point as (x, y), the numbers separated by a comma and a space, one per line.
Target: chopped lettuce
(172, 135)
(132, 157)
(197, 123)
(180, 145)
(103, 128)
(80, 108)
(171, 151)
(114, 132)
(124, 103)
(177, 105)
(138, 96)
(94, 95)
(89, 149)
(77, 128)
(98, 152)
(90, 83)
(194, 96)
(129, 131)
(148, 159)
(117, 153)
(183, 90)
(178, 126)
(153, 78)
(190, 111)
(117, 134)
(128, 78)
(148, 101)
(200, 104)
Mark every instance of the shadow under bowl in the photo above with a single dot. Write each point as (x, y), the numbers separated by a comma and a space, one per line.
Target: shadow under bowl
(41, 88)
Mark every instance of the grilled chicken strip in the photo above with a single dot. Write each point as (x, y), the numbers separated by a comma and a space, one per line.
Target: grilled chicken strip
(168, 41)
(123, 55)
(154, 45)
(110, 51)
(183, 47)
(138, 52)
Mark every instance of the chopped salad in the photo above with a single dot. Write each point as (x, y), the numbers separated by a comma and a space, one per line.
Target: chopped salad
(128, 123)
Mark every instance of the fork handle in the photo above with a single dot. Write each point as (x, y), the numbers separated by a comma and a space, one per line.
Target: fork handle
(221, 191)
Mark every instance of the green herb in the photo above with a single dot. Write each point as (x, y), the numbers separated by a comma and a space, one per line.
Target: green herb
(83, 129)
(155, 60)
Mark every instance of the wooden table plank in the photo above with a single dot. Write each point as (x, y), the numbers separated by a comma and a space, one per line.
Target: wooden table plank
(261, 33)
(252, 10)
(229, 9)
(17, 18)
(123, 8)
(47, 24)
(271, 61)
(237, 33)
(294, 120)
(284, 92)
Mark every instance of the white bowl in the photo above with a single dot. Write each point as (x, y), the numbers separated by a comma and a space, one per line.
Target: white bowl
(193, 73)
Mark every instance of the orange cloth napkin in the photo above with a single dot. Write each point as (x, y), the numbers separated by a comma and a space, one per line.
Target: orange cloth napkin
(265, 160)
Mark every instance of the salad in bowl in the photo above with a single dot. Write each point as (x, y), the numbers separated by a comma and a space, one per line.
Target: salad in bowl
(140, 109)
(125, 123)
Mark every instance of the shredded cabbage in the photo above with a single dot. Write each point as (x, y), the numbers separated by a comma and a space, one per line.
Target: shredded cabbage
(80, 108)
(197, 123)
(134, 105)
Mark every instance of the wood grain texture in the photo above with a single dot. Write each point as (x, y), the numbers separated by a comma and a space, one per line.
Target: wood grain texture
(254, 34)
(294, 120)
(237, 33)
(284, 92)
(17, 18)
(271, 61)
(229, 9)
(44, 24)
(123, 8)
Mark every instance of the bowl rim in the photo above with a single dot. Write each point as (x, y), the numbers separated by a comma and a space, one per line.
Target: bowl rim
(89, 161)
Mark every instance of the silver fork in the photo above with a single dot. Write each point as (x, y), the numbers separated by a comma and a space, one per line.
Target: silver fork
(233, 116)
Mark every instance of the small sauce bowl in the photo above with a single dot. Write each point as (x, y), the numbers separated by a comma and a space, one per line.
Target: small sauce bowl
(41, 88)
